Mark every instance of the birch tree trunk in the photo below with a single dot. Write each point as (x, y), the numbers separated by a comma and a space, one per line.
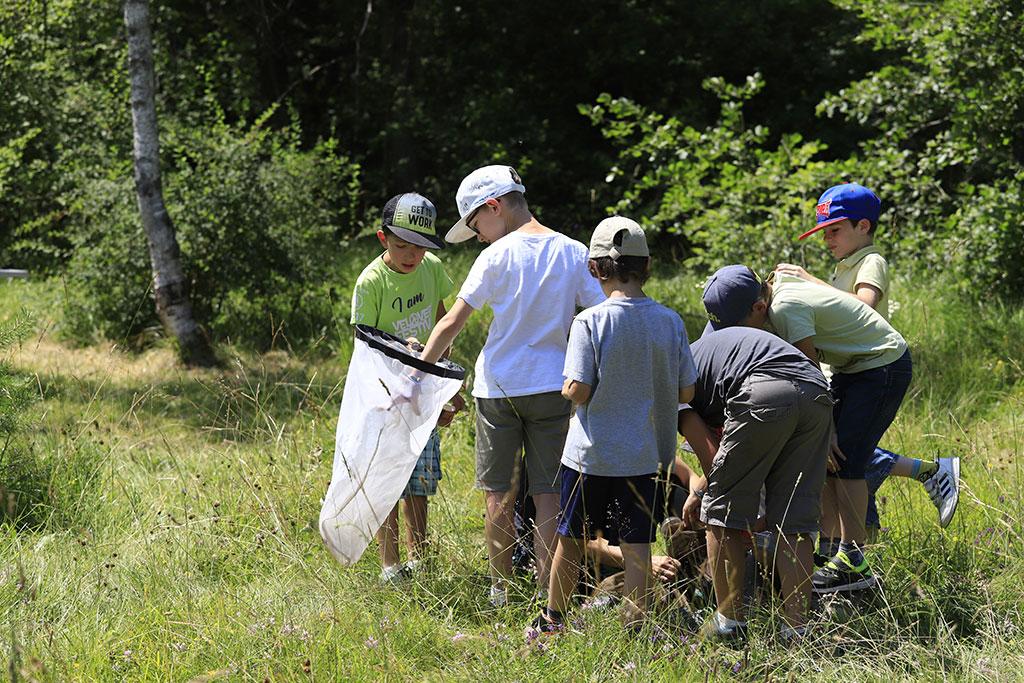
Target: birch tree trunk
(169, 284)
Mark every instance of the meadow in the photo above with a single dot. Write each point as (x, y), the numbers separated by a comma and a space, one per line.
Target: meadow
(161, 524)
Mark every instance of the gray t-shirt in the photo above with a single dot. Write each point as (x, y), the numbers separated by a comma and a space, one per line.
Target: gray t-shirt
(727, 357)
(633, 352)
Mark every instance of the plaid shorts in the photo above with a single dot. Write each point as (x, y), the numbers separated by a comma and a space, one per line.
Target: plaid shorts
(427, 472)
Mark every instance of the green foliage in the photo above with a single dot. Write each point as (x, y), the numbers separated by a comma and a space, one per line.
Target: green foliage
(948, 115)
(260, 224)
(724, 193)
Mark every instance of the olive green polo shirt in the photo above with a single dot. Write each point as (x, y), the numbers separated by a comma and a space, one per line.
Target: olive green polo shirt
(848, 334)
(868, 267)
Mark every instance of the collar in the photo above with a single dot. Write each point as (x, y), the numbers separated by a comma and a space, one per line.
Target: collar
(856, 257)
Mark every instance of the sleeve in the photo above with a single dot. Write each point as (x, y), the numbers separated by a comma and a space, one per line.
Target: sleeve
(478, 288)
(792, 320)
(589, 292)
(687, 368)
(365, 302)
(874, 271)
(580, 360)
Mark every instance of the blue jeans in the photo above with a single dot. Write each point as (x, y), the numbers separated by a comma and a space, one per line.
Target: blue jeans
(877, 472)
(866, 404)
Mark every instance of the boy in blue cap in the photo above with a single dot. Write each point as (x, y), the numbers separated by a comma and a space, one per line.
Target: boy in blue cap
(847, 215)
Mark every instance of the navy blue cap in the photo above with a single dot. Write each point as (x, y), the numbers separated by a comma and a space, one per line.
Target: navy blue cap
(729, 295)
(848, 200)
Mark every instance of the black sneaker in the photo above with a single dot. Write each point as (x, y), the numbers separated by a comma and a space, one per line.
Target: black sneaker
(542, 625)
(840, 576)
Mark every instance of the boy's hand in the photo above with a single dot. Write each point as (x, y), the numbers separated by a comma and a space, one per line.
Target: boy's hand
(691, 512)
(791, 269)
(458, 403)
(835, 454)
(414, 344)
(664, 567)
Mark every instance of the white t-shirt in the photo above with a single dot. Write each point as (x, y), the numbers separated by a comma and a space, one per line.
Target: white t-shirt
(533, 283)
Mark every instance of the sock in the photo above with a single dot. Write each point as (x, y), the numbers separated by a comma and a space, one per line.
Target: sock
(852, 552)
(828, 547)
(922, 471)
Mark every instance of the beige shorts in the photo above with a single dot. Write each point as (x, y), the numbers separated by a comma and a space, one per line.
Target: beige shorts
(533, 425)
(776, 435)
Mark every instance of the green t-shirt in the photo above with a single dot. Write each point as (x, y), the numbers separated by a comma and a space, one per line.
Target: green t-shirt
(868, 267)
(848, 334)
(404, 304)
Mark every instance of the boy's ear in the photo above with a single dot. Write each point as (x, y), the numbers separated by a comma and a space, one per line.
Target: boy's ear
(383, 238)
(760, 306)
(592, 268)
(863, 225)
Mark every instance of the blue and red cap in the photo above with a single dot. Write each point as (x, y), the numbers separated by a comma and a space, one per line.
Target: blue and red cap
(848, 200)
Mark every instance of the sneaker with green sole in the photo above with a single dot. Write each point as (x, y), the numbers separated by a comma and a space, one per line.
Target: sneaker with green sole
(840, 576)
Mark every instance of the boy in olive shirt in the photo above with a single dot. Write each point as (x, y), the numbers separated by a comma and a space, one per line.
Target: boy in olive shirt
(871, 368)
(402, 292)
(847, 216)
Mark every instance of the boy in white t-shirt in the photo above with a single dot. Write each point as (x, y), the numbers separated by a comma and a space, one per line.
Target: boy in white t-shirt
(534, 279)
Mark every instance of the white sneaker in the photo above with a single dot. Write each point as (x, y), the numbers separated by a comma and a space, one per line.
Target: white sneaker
(944, 488)
(498, 596)
(394, 574)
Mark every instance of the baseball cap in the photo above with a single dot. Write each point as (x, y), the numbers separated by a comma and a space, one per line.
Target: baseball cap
(729, 295)
(482, 184)
(631, 239)
(412, 217)
(848, 200)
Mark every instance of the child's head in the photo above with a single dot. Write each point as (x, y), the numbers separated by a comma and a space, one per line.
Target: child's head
(407, 231)
(734, 295)
(618, 251)
(487, 194)
(848, 214)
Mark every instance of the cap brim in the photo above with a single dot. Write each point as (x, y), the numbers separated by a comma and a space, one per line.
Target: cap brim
(417, 238)
(819, 226)
(460, 232)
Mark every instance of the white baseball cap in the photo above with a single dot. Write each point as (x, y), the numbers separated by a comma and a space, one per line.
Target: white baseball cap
(630, 238)
(489, 182)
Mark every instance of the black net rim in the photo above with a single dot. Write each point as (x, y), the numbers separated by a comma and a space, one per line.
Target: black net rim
(394, 347)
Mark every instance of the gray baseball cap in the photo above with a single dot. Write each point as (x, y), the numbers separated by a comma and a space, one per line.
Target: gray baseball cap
(412, 217)
(618, 236)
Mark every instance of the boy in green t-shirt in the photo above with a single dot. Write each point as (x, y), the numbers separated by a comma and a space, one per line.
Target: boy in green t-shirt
(847, 215)
(402, 291)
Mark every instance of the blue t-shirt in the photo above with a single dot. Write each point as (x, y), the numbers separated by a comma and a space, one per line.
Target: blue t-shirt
(633, 352)
(727, 357)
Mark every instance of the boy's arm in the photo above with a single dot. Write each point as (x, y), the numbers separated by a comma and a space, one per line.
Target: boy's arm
(686, 394)
(869, 294)
(700, 438)
(806, 346)
(445, 331)
(441, 311)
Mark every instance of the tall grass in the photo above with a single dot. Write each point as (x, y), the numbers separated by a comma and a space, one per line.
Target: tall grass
(180, 542)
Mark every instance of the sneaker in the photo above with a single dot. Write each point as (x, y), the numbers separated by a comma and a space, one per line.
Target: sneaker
(944, 488)
(840, 576)
(724, 630)
(819, 560)
(395, 574)
(498, 596)
(542, 625)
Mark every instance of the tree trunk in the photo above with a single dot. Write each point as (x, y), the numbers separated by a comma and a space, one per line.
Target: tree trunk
(169, 284)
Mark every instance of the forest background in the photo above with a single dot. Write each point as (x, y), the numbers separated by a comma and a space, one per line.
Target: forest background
(285, 126)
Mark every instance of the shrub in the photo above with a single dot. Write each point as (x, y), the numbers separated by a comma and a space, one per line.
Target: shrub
(259, 220)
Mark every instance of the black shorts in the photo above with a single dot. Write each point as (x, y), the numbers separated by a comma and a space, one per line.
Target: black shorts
(623, 509)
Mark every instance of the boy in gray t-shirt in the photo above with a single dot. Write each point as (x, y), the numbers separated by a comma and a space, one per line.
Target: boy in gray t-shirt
(627, 366)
